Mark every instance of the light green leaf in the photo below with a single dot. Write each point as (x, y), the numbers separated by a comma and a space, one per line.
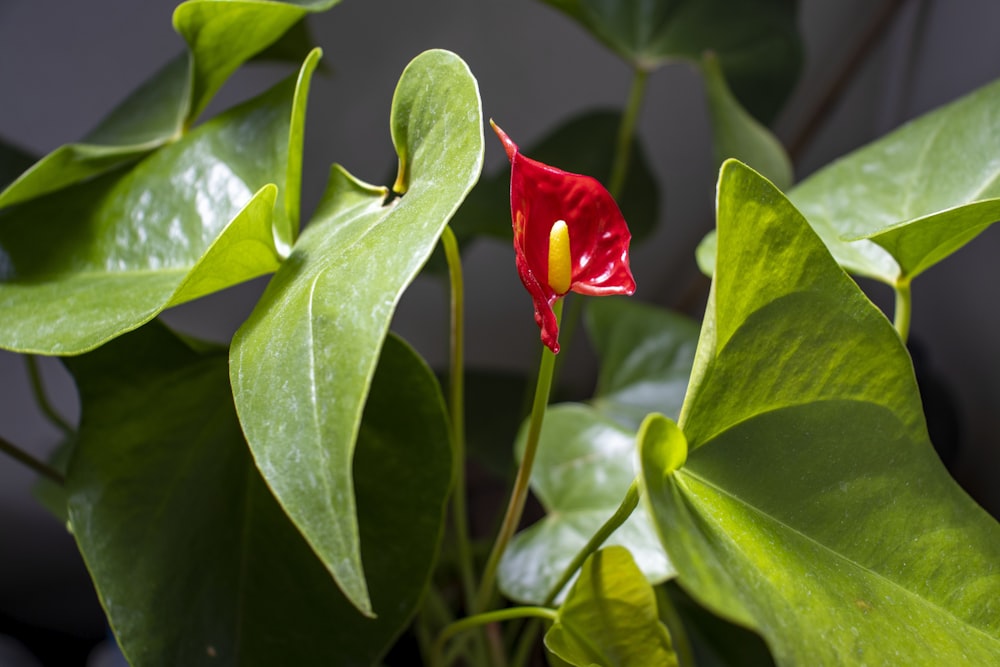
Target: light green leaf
(812, 507)
(583, 467)
(97, 259)
(193, 559)
(737, 134)
(610, 617)
(646, 355)
(919, 193)
(756, 40)
(301, 365)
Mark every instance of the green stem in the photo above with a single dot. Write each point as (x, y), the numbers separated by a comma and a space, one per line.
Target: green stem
(38, 390)
(27, 459)
(624, 511)
(519, 494)
(484, 619)
(623, 148)
(904, 305)
(456, 399)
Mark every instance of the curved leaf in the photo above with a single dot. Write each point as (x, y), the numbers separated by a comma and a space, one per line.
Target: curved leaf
(920, 192)
(302, 363)
(812, 507)
(583, 467)
(646, 355)
(610, 617)
(103, 257)
(757, 40)
(737, 134)
(193, 559)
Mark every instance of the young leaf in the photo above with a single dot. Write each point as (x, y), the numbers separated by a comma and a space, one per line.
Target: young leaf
(302, 363)
(193, 559)
(757, 41)
(609, 617)
(100, 258)
(583, 468)
(812, 507)
(920, 192)
(646, 356)
(737, 134)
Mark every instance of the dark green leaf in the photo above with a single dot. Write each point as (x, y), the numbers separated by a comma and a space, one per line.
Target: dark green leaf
(13, 161)
(100, 258)
(610, 617)
(583, 467)
(756, 41)
(302, 363)
(194, 560)
(812, 507)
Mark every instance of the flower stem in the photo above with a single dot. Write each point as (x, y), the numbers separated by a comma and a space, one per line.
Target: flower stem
(38, 390)
(27, 459)
(623, 147)
(456, 400)
(483, 619)
(904, 305)
(519, 494)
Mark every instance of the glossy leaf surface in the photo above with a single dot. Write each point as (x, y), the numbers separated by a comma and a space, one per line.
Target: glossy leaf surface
(302, 363)
(610, 617)
(100, 258)
(919, 193)
(175, 522)
(646, 356)
(737, 134)
(756, 41)
(583, 467)
(812, 506)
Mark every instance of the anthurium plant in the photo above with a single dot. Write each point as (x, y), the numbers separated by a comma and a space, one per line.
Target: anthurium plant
(757, 489)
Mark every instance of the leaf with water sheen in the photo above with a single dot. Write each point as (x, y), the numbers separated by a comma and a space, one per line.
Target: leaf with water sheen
(610, 617)
(812, 507)
(584, 465)
(918, 194)
(302, 363)
(84, 265)
(192, 557)
(757, 41)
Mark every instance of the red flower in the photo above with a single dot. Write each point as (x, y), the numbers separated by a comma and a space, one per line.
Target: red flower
(568, 236)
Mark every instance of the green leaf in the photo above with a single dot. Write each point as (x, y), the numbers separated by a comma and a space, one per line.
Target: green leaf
(193, 559)
(646, 355)
(919, 193)
(583, 467)
(610, 617)
(737, 134)
(82, 266)
(223, 34)
(13, 161)
(756, 41)
(583, 145)
(303, 361)
(812, 507)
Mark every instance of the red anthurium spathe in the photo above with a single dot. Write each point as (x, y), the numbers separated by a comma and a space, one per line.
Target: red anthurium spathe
(569, 235)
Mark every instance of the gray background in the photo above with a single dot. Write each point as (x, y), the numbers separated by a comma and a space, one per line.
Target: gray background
(63, 65)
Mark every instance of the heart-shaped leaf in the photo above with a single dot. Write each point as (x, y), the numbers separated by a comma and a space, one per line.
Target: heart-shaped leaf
(812, 507)
(193, 559)
(221, 35)
(303, 361)
(920, 193)
(756, 41)
(610, 617)
(103, 257)
(646, 356)
(583, 467)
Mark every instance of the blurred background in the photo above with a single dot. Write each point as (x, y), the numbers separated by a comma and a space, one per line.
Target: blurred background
(869, 66)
